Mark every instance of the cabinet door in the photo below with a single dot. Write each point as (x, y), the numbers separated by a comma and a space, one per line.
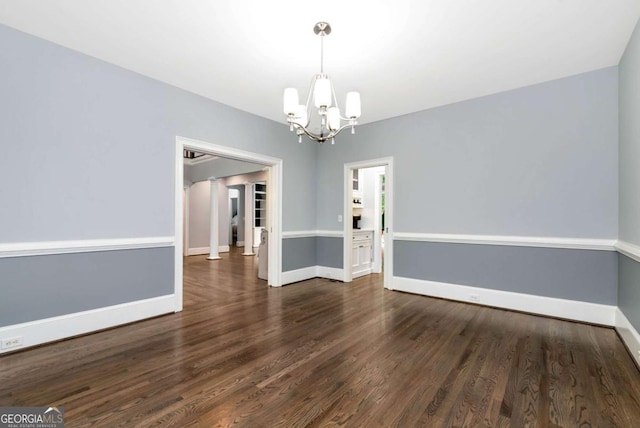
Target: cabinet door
(365, 254)
(355, 257)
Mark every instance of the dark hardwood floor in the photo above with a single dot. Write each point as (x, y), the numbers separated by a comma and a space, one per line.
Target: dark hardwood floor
(324, 353)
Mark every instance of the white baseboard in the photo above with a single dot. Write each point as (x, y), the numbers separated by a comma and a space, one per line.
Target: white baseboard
(198, 251)
(629, 335)
(550, 306)
(64, 326)
(223, 249)
(298, 275)
(239, 243)
(360, 273)
(303, 274)
(330, 273)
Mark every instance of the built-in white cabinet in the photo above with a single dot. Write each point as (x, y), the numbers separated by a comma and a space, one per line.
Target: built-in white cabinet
(361, 258)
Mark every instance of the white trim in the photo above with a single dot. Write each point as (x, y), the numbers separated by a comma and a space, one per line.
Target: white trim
(187, 218)
(540, 305)
(360, 273)
(330, 233)
(197, 251)
(312, 233)
(22, 249)
(239, 243)
(311, 272)
(629, 250)
(223, 249)
(299, 234)
(65, 326)
(330, 273)
(298, 275)
(629, 335)
(518, 241)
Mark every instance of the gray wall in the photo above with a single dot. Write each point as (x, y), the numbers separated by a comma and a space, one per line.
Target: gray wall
(583, 275)
(330, 252)
(187, 174)
(46, 286)
(311, 251)
(79, 140)
(535, 161)
(629, 289)
(298, 253)
(629, 170)
(629, 163)
(86, 132)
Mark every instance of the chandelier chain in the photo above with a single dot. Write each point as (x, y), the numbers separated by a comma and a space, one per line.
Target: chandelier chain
(321, 53)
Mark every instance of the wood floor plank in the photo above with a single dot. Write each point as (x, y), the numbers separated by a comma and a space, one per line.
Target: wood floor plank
(323, 353)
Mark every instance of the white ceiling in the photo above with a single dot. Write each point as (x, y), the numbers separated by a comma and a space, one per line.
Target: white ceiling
(402, 55)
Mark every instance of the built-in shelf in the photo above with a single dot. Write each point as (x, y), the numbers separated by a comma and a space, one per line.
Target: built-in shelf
(260, 205)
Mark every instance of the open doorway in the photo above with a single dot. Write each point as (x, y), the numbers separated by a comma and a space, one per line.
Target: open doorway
(225, 197)
(368, 215)
(273, 168)
(234, 216)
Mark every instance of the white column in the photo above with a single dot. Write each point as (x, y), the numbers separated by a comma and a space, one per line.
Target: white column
(213, 221)
(248, 220)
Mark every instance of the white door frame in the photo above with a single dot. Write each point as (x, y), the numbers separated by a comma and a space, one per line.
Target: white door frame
(388, 217)
(377, 224)
(274, 197)
(185, 220)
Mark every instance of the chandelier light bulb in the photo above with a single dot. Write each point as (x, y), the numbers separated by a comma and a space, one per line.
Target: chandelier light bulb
(353, 109)
(322, 92)
(333, 117)
(290, 101)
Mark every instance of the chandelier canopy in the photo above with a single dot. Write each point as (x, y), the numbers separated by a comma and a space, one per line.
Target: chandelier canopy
(324, 100)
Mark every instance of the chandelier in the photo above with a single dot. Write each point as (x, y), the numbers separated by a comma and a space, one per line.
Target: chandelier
(324, 99)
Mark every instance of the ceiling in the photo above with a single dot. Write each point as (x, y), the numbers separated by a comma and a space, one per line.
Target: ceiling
(403, 55)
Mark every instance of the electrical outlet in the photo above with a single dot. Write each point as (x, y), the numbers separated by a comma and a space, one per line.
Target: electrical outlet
(473, 297)
(12, 342)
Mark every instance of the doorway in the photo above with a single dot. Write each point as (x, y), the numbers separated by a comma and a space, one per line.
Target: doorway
(274, 204)
(382, 181)
(234, 207)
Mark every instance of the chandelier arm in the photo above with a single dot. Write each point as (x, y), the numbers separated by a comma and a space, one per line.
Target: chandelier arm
(339, 130)
(321, 138)
(315, 137)
(308, 105)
